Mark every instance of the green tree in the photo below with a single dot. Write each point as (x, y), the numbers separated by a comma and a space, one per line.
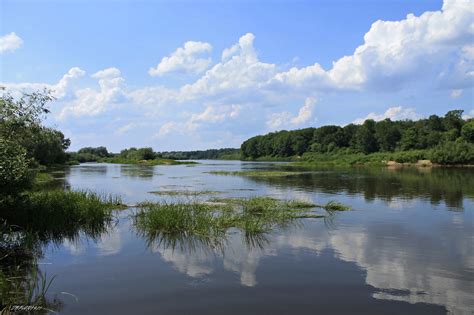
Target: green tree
(15, 175)
(365, 137)
(467, 131)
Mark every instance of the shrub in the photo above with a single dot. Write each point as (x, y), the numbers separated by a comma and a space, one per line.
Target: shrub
(453, 153)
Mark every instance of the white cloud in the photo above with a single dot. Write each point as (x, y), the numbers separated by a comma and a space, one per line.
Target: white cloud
(286, 119)
(393, 113)
(424, 53)
(456, 93)
(211, 114)
(59, 90)
(397, 52)
(469, 115)
(10, 42)
(186, 59)
(89, 101)
(107, 73)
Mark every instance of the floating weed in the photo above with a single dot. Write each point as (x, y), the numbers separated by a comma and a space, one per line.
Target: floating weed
(335, 206)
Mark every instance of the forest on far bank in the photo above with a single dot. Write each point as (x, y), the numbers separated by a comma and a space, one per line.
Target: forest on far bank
(444, 140)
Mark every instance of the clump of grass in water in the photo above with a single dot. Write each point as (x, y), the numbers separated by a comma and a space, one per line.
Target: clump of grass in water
(174, 222)
(208, 222)
(335, 206)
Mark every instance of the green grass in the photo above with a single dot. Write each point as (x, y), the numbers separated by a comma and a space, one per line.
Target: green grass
(335, 206)
(208, 222)
(119, 160)
(43, 178)
(257, 173)
(54, 214)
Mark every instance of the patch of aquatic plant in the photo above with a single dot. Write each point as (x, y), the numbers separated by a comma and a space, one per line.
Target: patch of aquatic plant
(43, 178)
(26, 286)
(170, 223)
(184, 192)
(21, 281)
(208, 222)
(55, 214)
(335, 206)
(257, 173)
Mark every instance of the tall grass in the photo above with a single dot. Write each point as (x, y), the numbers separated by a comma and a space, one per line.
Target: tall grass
(208, 223)
(54, 214)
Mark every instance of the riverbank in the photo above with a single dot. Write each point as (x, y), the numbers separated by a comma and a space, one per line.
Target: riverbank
(414, 158)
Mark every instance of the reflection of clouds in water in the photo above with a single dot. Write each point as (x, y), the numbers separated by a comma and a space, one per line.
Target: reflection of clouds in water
(398, 267)
(244, 261)
(400, 204)
(401, 265)
(235, 258)
(195, 264)
(75, 248)
(110, 243)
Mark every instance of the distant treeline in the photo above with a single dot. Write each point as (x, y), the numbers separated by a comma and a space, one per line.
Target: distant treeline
(211, 154)
(445, 140)
(90, 154)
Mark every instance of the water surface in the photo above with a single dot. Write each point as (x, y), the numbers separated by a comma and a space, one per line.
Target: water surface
(405, 248)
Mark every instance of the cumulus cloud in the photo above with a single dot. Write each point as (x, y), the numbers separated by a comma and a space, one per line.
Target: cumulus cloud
(393, 113)
(10, 42)
(211, 114)
(59, 89)
(433, 51)
(89, 101)
(435, 44)
(286, 119)
(186, 59)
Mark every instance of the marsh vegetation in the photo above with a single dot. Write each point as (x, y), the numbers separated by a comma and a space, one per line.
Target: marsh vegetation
(209, 222)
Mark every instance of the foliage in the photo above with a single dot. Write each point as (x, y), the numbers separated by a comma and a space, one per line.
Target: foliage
(372, 142)
(467, 131)
(458, 152)
(15, 175)
(24, 142)
(212, 154)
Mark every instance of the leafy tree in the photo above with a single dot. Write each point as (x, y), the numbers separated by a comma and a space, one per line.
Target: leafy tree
(14, 169)
(467, 131)
(365, 137)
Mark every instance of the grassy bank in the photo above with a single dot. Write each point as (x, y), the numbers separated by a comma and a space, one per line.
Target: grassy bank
(446, 156)
(53, 214)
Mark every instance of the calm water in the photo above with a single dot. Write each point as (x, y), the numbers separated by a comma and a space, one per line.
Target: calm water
(406, 248)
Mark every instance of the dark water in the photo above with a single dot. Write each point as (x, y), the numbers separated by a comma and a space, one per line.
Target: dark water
(406, 248)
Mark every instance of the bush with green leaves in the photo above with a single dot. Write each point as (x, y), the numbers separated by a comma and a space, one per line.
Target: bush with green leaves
(458, 152)
(15, 175)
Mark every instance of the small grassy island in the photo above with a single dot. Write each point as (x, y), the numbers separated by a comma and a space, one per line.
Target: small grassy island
(208, 222)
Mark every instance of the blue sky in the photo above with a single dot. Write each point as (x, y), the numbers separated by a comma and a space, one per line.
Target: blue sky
(184, 75)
